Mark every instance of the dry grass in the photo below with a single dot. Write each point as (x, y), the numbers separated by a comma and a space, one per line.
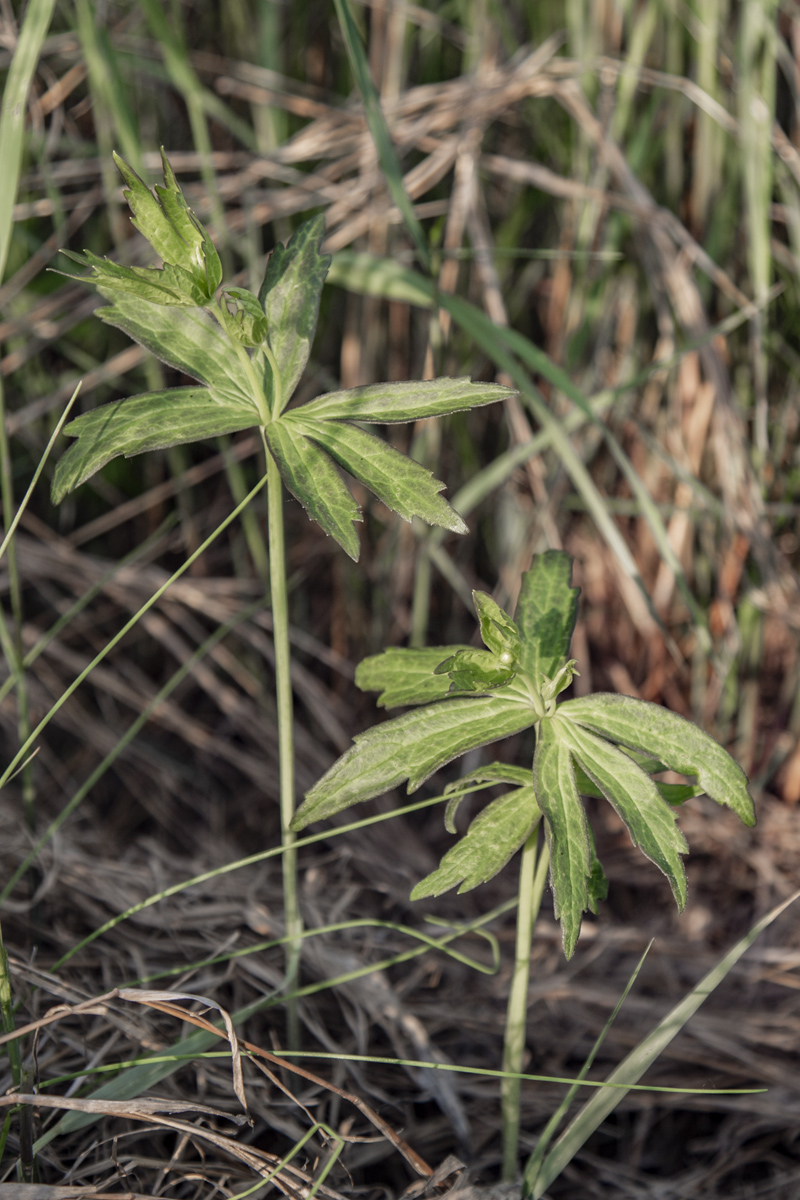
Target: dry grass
(539, 150)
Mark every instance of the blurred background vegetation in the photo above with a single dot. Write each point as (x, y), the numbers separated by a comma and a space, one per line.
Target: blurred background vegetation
(611, 190)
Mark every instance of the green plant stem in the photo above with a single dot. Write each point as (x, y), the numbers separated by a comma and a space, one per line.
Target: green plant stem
(532, 875)
(12, 645)
(283, 689)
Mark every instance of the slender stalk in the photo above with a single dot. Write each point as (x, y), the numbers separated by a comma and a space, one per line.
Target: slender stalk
(12, 649)
(283, 689)
(532, 875)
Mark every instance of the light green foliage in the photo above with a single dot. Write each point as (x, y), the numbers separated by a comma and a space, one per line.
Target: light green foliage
(520, 673)
(547, 609)
(289, 296)
(405, 676)
(249, 353)
(491, 840)
(678, 743)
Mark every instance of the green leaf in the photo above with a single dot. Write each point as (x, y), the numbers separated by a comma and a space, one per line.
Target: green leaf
(567, 830)
(148, 422)
(649, 819)
(167, 285)
(290, 296)
(546, 612)
(597, 883)
(682, 746)
(171, 227)
(674, 793)
(313, 479)
(475, 671)
(392, 403)
(499, 633)
(401, 483)
(491, 840)
(187, 339)
(405, 676)
(410, 747)
(246, 323)
(492, 773)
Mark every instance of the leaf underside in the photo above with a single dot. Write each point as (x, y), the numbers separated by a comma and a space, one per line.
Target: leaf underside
(680, 745)
(149, 422)
(491, 840)
(410, 747)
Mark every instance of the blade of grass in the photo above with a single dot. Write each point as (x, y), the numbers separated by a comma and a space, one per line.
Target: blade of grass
(12, 134)
(379, 130)
(630, 1071)
(534, 1162)
(24, 749)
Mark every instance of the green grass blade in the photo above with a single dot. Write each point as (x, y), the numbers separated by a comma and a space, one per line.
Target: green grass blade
(380, 130)
(634, 1066)
(533, 1164)
(12, 119)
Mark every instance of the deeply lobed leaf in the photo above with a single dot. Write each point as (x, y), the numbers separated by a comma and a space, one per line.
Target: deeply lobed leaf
(491, 840)
(149, 422)
(682, 746)
(410, 747)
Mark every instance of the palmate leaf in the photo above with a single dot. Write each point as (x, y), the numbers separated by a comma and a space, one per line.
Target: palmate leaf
(149, 422)
(313, 479)
(546, 612)
(567, 831)
(390, 403)
(290, 297)
(187, 339)
(410, 747)
(632, 793)
(405, 676)
(401, 483)
(682, 746)
(491, 840)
